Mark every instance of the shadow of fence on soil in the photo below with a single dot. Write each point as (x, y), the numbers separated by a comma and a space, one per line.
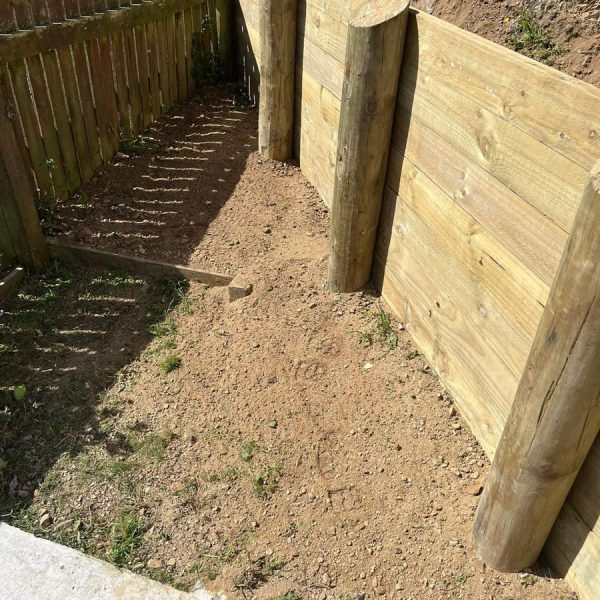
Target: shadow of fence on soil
(160, 204)
(65, 341)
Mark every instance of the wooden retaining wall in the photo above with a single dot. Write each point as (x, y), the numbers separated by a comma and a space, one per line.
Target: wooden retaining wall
(81, 81)
(489, 159)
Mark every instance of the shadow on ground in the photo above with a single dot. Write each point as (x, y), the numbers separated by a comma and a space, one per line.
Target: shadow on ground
(66, 337)
(159, 195)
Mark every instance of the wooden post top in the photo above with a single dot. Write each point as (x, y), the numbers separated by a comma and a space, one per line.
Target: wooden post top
(376, 12)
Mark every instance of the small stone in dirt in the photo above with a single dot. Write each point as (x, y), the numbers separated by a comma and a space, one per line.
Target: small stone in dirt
(475, 490)
(368, 366)
(273, 424)
(240, 287)
(154, 563)
(267, 230)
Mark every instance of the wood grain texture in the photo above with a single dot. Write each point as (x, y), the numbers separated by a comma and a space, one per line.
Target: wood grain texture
(277, 78)
(85, 255)
(555, 416)
(10, 283)
(372, 70)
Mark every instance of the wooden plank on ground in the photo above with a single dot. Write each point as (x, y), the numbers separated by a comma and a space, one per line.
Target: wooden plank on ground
(92, 257)
(10, 283)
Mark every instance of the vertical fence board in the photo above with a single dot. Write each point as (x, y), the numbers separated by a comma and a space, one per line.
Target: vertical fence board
(109, 92)
(69, 78)
(142, 54)
(112, 4)
(180, 53)
(118, 54)
(46, 119)
(163, 60)
(87, 103)
(133, 83)
(37, 153)
(40, 12)
(100, 6)
(86, 7)
(23, 14)
(170, 24)
(56, 11)
(17, 209)
(7, 18)
(153, 69)
(61, 116)
(71, 9)
(189, 31)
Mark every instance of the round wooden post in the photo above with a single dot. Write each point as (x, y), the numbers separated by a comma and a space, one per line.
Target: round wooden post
(277, 73)
(374, 52)
(555, 416)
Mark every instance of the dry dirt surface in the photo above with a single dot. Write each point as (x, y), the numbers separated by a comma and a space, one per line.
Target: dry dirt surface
(289, 445)
(562, 33)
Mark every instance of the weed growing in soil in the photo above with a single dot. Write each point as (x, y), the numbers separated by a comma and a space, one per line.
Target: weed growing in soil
(249, 449)
(170, 363)
(259, 572)
(290, 595)
(530, 38)
(126, 537)
(138, 146)
(265, 483)
(384, 327)
(207, 63)
(152, 446)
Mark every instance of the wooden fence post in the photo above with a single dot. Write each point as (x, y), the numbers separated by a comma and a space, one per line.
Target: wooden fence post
(225, 35)
(277, 73)
(25, 240)
(376, 34)
(555, 416)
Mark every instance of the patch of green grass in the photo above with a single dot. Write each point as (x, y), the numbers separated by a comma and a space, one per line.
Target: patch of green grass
(528, 580)
(265, 482)
(365, 338)
(126, 537)
(153, 445)
(384, 327)
(249, 449)
(170, 363)
(165, 328)
(461, 578)
(259, 572)
(530, 38)
(228, 475)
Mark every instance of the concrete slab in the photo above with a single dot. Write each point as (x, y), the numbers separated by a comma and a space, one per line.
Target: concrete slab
(32, 569)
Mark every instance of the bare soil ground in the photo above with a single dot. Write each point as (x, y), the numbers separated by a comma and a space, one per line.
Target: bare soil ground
(292, 444)
(562, 33)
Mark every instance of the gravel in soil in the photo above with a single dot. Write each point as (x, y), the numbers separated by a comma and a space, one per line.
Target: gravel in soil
(291, 444)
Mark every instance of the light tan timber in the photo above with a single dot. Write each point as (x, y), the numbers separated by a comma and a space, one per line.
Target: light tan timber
(555, 416)
(10, 282)
(374, 52)
(277, 77)
(84, 255)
